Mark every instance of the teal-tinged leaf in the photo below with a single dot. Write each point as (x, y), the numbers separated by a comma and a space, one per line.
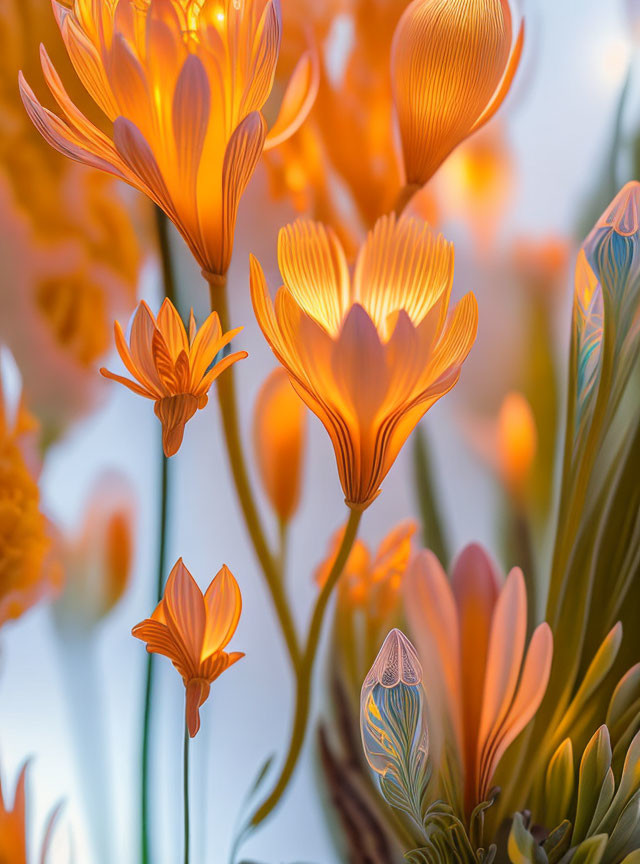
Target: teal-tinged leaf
(594, 767)
(624, 703)
(623, 743)
(628, 787)
(558, 842)
(626, 834)
(393, 726)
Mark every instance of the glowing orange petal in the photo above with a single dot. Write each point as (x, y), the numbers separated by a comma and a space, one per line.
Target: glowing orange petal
(196, 695)
(223, 604)
(185, 610)
(314, 269)
(402, 264)
(297, 101)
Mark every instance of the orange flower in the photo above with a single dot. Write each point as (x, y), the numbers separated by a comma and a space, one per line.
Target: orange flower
(28, 569)
(368, 355)
(173, 370)
(452, 66)
(367, 582)
(192, 630)
(98, 560)
(13, 841)
(471, 635)
(279, 432)
(183, 84)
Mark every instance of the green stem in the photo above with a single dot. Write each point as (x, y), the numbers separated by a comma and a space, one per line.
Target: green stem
(305, 673)
(186, 793)
(169, 286)
(226, 389)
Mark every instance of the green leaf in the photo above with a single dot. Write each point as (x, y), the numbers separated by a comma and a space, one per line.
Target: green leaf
(522, 847)
(559, 784)
(590, 851)
(594, 767)
(433, 532)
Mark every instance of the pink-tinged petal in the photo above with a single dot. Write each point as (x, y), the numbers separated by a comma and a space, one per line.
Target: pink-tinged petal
(240, 160)
(475, 583)
(397, 662)
(405, 361)
(298, 99)
(359, 366)
(433, 619)
(184, 608)
(223, 603)
(504, 657)
(531, 690)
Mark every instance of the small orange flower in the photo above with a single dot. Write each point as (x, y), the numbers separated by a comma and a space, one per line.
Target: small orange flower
(369, 355)
(183, 84)
(192, 629)
(13, 840)
(452, 66)
(98, 560)
(279, 436)
(174, 370)
(372, 583)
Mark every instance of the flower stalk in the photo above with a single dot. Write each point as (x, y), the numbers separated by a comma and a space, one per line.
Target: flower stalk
(305, 672)
(231, 428)
(186, 793)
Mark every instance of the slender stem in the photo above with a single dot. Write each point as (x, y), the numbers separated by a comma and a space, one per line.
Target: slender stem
(229, 410)
(305, 673)
(169, 287)
(186, 793)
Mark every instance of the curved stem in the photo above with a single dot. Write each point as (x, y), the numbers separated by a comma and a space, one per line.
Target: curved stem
(226, 389)
(162, 225)
(305, 673)
(185, 788)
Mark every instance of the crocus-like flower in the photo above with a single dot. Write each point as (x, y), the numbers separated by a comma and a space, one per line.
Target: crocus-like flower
(369, 355)
(279, 432)
(29, 570)
(192, 630)
(13, 836)
(183, 84)
(97, 561)
(481, 688)
(392, 724)
(173, 369)
(452, 66)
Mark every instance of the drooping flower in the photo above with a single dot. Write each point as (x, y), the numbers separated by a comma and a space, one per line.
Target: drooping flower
(13, 838)
(279, 432)
(393, 724)
(29, 570)
(97, 561)
(183, 85)
(370, 354)
(173, 369)
(481, 688)
(192, 630)
(452, 66)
